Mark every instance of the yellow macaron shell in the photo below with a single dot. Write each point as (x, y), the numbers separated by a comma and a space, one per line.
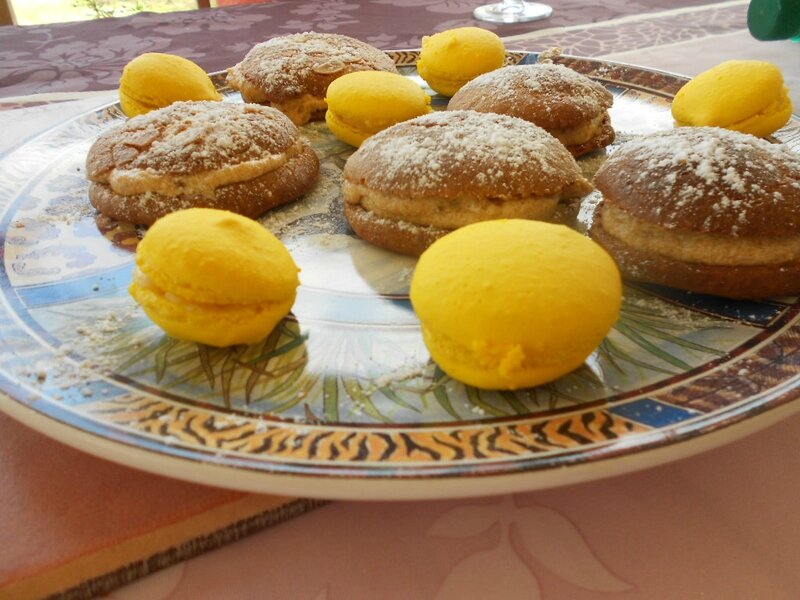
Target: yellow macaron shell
(514, 303)
(214, 277)
(154, 80)
(363, 103)
(744, 95)
(450, 59)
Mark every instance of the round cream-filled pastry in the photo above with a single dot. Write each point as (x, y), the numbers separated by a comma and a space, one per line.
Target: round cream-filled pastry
(569, 105)
(292, 72)
(243, 158)
(703, 209)
(416, 181)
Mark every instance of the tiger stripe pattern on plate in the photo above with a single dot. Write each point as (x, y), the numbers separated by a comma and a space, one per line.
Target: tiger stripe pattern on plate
(435, 444)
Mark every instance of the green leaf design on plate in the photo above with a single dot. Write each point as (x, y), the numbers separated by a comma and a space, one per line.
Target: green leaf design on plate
(395, 397)
(395, 384)
(162, 359)
(230, 364)
(204, 355)
(362, 400)
(648, 346)
(440, 379)
(655, 336)
(474, 396)
(330, 398)
(513, 402)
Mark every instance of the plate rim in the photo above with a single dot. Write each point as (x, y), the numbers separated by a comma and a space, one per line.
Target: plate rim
(391, 489)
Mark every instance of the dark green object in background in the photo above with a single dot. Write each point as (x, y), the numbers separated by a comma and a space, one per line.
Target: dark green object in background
(774, 19)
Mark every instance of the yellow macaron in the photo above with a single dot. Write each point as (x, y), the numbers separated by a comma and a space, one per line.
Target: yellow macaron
(214, 277)
(363, 103)
(154, 80)
(744, 95)
(514, 303)
(450, 59)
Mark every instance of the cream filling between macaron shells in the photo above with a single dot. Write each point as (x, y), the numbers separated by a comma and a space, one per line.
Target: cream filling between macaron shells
(778, 110)
(141, 280)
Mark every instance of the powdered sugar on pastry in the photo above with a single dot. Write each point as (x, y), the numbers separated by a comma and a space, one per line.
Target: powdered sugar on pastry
(238, 157)
(703, 209)
(416, 181)
(489, 154)
(567, 104)
(191, 137)
(747, 185)
(551, 83)
(292, 72)
(281, 66)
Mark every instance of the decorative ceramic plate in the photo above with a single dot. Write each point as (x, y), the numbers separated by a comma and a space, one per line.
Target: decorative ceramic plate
(342, 399)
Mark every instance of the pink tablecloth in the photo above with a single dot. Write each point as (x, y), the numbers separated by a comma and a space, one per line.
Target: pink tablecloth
(723, 525)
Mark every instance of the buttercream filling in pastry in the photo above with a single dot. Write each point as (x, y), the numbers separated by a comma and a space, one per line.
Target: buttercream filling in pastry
(695, 247)
(301, 110)
(448, 213)
(422, 178)
(129, 182)
(582, 133)
(250, 92)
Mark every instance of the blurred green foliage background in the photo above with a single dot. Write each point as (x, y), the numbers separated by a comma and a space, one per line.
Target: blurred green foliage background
(31, 12)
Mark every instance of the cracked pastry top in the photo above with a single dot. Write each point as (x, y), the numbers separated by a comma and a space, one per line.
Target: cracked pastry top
(239, 157)
(704, 209)
(567, 104)
(292, 72)
(415, 181)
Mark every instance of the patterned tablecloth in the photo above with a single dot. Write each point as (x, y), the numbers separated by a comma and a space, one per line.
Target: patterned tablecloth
(90, 56)
(720, 525)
